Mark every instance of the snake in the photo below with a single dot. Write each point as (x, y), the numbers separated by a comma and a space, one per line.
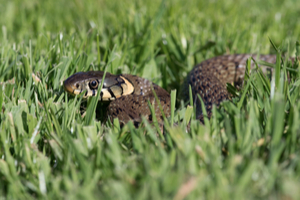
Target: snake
(128, 95)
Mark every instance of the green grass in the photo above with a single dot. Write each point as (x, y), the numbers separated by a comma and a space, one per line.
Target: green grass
(250, 149)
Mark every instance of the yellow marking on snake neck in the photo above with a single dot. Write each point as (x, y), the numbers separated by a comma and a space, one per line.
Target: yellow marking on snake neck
(127, 87)
(106, 95)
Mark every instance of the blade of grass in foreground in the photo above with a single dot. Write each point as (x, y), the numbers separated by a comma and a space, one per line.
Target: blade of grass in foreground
(173, 101)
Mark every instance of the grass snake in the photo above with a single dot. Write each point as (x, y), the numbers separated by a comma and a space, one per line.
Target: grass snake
(128, 94)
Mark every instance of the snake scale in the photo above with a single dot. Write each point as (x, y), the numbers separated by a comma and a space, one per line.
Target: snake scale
(129, 94)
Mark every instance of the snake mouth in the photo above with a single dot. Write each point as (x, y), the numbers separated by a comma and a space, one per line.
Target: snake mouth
(68, 87)
(73, 88)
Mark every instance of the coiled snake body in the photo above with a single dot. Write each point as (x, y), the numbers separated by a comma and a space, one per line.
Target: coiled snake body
(129, 94)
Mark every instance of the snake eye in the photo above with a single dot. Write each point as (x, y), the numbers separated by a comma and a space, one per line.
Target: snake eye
(94, 84)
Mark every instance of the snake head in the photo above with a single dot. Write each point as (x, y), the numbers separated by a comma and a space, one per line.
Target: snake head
(114, 86)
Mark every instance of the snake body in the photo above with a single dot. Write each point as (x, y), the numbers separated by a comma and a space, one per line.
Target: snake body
(129, 94)
(209, 78)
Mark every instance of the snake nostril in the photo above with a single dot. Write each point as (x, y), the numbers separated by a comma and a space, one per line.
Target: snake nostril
(77, 85)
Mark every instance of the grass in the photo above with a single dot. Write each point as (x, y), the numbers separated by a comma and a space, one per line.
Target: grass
(250, 149)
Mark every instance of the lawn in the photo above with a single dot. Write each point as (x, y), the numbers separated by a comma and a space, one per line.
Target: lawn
(249, 149)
